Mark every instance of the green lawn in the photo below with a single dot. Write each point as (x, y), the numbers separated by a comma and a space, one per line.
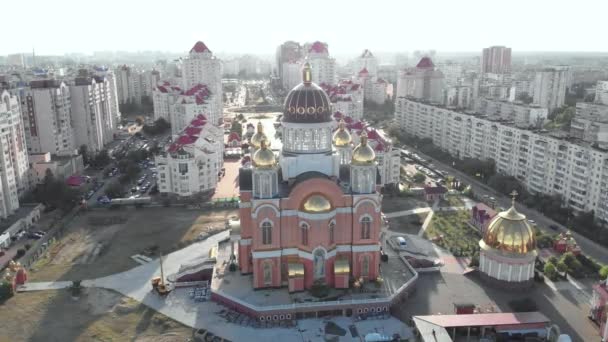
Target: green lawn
(452, 201)
(457, 234)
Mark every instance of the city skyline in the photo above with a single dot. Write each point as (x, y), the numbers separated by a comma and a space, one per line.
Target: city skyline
(387, 27)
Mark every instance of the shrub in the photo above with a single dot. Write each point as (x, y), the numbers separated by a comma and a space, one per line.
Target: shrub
(6, 291)
(20, 253)
(552, 260)
(603, 272)
(561, 267)
(319, 290)
(27, 246)
(550, 271)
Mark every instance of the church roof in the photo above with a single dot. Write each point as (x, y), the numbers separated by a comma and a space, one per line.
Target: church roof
(425, 62)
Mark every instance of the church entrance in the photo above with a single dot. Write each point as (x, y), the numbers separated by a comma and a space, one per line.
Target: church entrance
(319, 264)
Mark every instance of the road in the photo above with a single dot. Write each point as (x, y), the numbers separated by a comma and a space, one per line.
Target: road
(589, 247)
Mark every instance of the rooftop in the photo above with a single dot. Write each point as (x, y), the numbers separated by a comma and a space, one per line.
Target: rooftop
(23, 211)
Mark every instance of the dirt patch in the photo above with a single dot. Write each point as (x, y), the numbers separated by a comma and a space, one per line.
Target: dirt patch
(89, 251)
(55, 316)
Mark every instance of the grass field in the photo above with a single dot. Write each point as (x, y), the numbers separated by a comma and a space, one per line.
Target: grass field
(458, 236)
(98, 315)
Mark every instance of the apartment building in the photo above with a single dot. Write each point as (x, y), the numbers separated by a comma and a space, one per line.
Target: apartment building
(93, 119)
(202, 67)
(13, 155)
(322, 64)
(46, 109)
(191, 164)
(550, 87)
(522, 115)
(544, 162)
(347, 98)
(368, 62)
(496, 59)
(601, 92)
(423, 82)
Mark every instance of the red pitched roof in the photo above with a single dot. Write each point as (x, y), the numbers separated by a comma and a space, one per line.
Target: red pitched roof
(363, 72)
(483, 207)
(318, 47)
(200, 47)
(425, 62)
(192, 131)
(185, 140)
(234, 136)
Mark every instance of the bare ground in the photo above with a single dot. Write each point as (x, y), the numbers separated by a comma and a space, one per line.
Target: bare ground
(90, 250)
(98, 315)
(409, 224)
(391, 204)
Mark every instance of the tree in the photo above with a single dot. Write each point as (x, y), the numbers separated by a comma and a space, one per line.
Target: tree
(550, 271)
(562, 267)
(603, 272)
(419, 177)
(83, 151)
(553, 260)
(102, 158)
(114, 190)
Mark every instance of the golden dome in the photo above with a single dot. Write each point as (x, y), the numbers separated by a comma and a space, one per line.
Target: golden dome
(342, 137)
(316, 203)
(257, 138)
(509, 231)
(264, 157)
(363, 154)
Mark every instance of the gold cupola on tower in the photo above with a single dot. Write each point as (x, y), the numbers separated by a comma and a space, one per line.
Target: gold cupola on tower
(256, 139)
(363, 154)
(264, 157)
(342, 137)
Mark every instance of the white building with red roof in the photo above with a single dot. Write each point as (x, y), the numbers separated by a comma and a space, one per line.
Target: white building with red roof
(322, 65)
(375, 89)
(423, 82)
(346, 98)
(202, 67)
(191, 164)
(366, 61)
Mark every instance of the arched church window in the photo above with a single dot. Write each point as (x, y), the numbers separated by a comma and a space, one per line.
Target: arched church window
(332, 228)
(366, 226)
(266, 233)
(304, 230)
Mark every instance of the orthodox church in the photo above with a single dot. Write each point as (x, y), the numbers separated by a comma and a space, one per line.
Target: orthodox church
(312, 213)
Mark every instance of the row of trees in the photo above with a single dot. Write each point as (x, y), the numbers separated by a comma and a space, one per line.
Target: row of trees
(54, 193)
(99, 159)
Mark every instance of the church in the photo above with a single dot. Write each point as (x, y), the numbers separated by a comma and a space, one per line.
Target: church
(310, 214)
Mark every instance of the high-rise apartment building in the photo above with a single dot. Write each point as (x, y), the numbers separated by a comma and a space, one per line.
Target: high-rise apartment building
(423, 82)
(288, 52)
(601, 92)
(496, 60)
(13, 155)
(550, 87)
(133, 85)
(202, 67)
(323, 67)
(92, 116)
(46, 109)
(368, 62)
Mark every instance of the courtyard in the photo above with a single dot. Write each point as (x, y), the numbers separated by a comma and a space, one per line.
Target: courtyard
(451, 231)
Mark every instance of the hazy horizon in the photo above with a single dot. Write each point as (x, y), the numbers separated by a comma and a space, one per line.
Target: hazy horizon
(67, 26)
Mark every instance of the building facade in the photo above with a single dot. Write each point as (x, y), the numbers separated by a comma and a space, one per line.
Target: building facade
(191, 164)
(46, 108)
(13, 156)
(550, 87)
(322, 64)
(368, 62)
(312, 215)
(544, 163)
(346, 98)
(91, 109)
(520, 114)
(601, 92)
(496, 60)
(422, 82)
(202, 67)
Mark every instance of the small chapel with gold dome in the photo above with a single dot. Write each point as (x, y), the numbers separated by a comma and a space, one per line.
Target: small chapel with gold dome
(508, 249)
(311, 212)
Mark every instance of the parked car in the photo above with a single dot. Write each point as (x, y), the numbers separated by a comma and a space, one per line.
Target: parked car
(103, 200)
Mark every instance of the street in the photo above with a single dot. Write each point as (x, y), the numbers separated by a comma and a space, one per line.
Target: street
(589, 247)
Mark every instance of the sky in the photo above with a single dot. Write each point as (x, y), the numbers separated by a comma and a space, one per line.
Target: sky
(259, 26)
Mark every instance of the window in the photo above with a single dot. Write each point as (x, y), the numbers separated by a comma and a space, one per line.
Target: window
(365, 266)
(267, 270)
(366, 225)
(183, 168)
(304, 229)
(266, 233)
(332, 228)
